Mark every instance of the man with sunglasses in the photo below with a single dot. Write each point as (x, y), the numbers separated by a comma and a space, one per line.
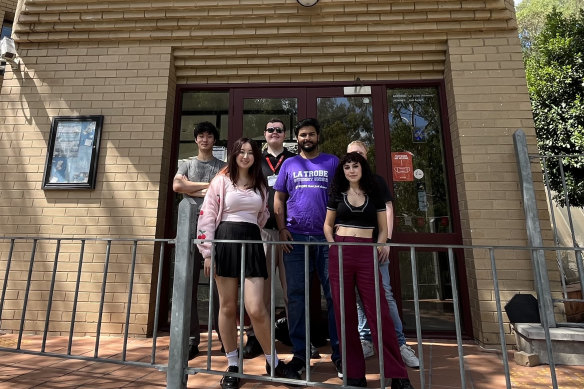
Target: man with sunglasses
(272, 159)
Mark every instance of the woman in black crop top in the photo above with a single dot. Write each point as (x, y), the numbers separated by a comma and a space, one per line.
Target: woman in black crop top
(356, 213)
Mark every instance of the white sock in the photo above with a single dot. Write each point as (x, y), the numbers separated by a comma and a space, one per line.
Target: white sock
(232, 358)
(269, 359)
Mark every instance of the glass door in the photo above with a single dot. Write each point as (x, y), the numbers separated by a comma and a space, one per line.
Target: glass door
(404, 129)
(344, 119)
(408, 150)
(423, 207)
(418, 161)
(252, 109)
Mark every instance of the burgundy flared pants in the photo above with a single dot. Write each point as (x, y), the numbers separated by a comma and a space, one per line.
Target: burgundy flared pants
(358, 271)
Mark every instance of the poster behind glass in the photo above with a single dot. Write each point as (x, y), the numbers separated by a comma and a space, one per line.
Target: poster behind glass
(72, 154)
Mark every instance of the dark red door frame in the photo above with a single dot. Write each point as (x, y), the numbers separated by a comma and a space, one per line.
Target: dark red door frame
(306, 93)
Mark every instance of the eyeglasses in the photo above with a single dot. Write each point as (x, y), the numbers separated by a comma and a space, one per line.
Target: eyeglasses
(277, 129)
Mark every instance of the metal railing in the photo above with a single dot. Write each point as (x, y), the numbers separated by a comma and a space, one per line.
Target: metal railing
(567, 245)
(564, 261)
(178, 370)
(76, 253)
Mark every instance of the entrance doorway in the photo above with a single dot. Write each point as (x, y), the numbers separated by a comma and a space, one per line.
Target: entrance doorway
(406, 130)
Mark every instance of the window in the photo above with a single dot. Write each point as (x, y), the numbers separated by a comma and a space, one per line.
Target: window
(6, 28)
(6, 31)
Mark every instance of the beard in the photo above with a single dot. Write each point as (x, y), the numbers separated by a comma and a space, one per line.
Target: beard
(308, 148)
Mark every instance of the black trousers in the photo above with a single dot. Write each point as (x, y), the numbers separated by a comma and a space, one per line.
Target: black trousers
(195, 330)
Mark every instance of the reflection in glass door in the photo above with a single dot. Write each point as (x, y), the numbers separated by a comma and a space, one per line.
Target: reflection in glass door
(198, 107)
(434, 288)
(258, 111)
(418, 162)
(343, 120)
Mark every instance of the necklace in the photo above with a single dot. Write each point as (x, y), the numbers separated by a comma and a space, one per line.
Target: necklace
(243, 183)
(355, 199)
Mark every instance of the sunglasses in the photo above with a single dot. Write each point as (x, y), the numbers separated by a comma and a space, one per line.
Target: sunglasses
(277, 129)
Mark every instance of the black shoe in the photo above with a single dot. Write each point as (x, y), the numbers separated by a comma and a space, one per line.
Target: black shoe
(193, 351)
(297, 365)
(283, 371)
(401, 383)
(314, 354)
(339, 366)
(359, 382)
(252, 349)
(282, 333)
(228, 381)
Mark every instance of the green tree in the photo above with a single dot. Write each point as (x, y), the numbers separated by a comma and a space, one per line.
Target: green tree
(415, 124)
(555, 78)
(531, 16)
(344, 120)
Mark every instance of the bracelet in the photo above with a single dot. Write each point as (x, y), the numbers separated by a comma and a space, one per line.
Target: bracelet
(282, 229)
(388, 240)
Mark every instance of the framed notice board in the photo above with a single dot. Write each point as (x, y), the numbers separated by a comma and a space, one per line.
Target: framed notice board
(73, 152)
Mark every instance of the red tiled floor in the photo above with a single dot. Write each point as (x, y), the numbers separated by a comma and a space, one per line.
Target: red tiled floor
(483, 369)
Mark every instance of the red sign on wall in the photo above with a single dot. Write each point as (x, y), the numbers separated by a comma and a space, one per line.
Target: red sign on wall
(403, 169)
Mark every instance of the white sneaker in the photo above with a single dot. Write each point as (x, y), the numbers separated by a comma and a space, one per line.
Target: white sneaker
(409, 357)
(368, 350)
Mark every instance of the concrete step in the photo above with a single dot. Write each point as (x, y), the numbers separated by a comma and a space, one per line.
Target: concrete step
(567, 343)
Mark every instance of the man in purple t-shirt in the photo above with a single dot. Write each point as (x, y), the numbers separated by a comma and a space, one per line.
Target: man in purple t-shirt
(300, 208)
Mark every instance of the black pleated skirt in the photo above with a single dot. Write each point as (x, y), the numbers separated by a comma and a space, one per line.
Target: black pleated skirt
(228, 255)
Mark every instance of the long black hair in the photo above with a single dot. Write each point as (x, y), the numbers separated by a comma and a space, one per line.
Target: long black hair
(366, 183)
(258, 181)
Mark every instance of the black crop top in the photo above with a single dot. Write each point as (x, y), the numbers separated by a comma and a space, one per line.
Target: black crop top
(364, 216)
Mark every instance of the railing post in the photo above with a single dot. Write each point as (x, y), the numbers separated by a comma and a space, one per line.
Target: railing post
(542, 284)
(176, 377)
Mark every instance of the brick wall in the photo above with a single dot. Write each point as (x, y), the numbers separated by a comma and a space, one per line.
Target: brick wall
(271, 40)
(8, 6)
(127, 84)
(7, 12)
(488, 102)
(124, 59)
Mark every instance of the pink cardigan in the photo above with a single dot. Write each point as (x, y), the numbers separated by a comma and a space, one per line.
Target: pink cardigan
(212, 212)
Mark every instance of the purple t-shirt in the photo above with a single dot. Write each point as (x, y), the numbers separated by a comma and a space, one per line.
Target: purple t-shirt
(306, 181)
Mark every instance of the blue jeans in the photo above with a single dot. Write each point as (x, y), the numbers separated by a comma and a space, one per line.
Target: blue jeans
(364, 331)
(294, 264)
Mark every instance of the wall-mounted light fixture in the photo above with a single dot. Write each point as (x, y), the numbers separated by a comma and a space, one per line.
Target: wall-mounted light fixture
(8, 51)
(307, 3)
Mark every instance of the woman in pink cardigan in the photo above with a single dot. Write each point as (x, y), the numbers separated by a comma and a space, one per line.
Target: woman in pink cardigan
(235, 208)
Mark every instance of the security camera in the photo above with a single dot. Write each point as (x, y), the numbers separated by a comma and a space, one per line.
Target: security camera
(7, 49)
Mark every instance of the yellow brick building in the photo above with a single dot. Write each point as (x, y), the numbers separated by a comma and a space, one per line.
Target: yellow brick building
(153, 68)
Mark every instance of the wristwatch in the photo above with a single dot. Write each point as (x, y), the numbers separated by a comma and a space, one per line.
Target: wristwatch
(388, 240)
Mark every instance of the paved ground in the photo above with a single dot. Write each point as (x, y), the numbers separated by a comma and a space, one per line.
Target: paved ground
(441, 371)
